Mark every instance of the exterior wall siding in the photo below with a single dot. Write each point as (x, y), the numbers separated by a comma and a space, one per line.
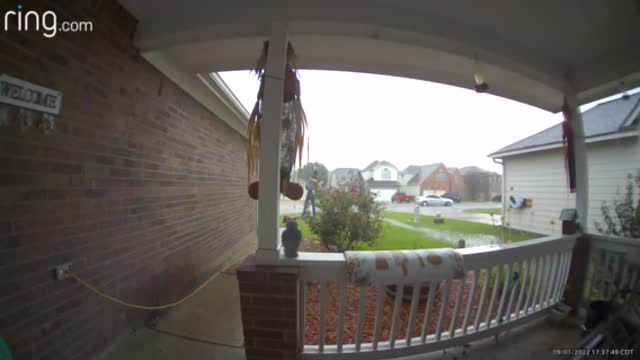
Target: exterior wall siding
(541, 177)
(139, 186)
(609, 164)
(377, 173)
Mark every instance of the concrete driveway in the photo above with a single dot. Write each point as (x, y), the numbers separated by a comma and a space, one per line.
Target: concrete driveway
(456, 211)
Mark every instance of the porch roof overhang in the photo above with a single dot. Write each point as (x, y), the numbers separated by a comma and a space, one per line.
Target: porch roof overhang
(529, 51)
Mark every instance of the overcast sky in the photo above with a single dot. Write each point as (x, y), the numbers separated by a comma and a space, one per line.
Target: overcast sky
(357, 118)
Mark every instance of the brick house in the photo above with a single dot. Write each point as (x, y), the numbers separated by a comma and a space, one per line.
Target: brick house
(431, 179)
(456, 181)
(480, 184)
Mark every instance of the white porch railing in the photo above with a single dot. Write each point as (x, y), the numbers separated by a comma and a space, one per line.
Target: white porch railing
(505, 286)
(609, 266)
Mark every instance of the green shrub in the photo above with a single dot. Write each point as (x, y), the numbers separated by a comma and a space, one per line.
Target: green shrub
(347, 219)
(626, 218)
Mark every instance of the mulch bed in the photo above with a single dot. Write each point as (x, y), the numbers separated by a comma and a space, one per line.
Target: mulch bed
(312, 310)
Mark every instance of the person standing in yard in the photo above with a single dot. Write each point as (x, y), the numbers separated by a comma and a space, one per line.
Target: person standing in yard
(311, 197)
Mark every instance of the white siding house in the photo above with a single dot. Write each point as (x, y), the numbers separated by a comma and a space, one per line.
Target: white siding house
(382, 179)
(534, 167)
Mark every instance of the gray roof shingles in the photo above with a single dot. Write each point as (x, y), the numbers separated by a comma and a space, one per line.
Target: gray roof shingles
(345, 174)
(604, 118)
(423, 172)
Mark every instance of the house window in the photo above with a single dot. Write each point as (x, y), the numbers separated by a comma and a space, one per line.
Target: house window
(386, 174)
(441, 176)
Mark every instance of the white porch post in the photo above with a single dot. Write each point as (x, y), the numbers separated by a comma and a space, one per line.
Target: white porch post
(582, 175)
(269, 166)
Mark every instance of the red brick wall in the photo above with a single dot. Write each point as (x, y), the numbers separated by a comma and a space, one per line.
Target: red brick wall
(139, 186)
(456, 182)
(269, 312)
(434, 182)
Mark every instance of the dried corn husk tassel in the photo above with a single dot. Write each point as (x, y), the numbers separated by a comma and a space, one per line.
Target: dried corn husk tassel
(294, 121)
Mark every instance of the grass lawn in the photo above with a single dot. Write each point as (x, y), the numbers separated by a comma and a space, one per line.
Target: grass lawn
(459, 226)
(397, 238)
(493, 211)
(392, 238)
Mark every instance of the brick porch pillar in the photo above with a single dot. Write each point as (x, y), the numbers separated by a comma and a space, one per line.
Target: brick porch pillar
(268, 296)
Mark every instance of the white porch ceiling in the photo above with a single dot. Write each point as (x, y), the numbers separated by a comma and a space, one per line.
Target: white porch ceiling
(529, 47)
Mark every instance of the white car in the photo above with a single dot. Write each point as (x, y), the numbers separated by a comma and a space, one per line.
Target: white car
(426, 200)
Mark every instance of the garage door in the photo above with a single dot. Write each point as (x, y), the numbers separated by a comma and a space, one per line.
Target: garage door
(383, 194)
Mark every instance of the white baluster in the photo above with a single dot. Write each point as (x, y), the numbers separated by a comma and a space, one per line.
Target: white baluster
(545, 280)
(563, 283)
(472, 293)
(494, 294)
(532, 284)
(433, 287)
(503, 298)
(524, 275)
(341, 311)
(562, 267)
(443, 308)
(456, 311)
(396, 314)
(483, 296)
(362, 302)
(415, 299)
(553, 270)
(557, 278)
(323, 315)
(377, 328)
(538, 285)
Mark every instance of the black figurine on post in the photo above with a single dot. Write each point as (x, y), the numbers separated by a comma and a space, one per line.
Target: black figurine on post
(291, 237)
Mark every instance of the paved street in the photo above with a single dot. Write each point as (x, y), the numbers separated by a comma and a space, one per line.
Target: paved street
(456, 211)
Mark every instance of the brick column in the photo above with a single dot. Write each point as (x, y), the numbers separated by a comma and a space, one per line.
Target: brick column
(268, 296)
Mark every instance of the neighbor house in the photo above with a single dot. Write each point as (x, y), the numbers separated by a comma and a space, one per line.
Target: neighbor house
(533, 167)
(382, 178)
(429, 179)
(480, 184)
(347, 179)
(456, 181)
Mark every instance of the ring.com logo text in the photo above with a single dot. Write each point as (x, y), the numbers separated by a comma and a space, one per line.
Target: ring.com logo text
(47, 21)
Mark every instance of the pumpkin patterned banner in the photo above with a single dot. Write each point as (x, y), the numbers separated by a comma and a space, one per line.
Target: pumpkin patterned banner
(367, 268)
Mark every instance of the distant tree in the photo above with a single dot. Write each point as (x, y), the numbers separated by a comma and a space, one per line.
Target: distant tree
(625, 220)
(306, 172)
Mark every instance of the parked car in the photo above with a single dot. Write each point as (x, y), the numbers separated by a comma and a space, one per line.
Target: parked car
(453, 196)
(401, 197)
(497, 198)
(426, 200)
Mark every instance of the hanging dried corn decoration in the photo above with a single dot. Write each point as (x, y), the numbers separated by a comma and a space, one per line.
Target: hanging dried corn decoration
(293, 126)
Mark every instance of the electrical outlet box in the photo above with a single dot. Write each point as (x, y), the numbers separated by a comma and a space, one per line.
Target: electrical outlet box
(60, 272)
